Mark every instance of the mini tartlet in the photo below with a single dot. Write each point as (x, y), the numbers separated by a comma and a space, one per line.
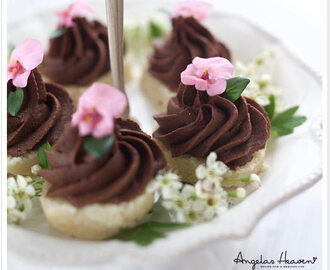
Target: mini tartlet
(92, 197)
(79, 54)
(201, 119)
(44, 108)
(188, 39)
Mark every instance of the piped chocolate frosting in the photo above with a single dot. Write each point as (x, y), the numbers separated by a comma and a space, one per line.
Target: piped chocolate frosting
(187, 40)
(120, 176)
(45, 110)
(80, 55)
(197, 124)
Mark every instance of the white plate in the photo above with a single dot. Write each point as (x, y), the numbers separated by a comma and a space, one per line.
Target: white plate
(295, 160)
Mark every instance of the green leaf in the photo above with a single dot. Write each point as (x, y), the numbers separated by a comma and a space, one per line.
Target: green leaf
(57, 33)
(284, 116)
(285, 122)
(235, 87)
(98, 147)
(166, 225)
(155, 30)
(42, 157)
(15, 101)
(280, 131)
(146, 233)
(270, 108)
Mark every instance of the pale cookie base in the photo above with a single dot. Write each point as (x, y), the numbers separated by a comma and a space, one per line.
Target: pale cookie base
(76, 91)
(22, 165)
(95, 221)
(156, 92)
(186, 165)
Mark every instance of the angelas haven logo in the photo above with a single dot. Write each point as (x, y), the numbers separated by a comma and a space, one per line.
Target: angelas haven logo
(283, 261)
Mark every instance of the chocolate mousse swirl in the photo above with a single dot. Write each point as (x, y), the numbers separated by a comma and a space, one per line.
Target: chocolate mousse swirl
(45, 110)
(80, 55)
(197, 124)
(187, 40)
(120, 176)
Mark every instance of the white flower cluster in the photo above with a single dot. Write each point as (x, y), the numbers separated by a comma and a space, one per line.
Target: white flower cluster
(20, 191)
(201, 202)
(259, 71)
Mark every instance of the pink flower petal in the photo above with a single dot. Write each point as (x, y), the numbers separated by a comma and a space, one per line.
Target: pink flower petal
(104, 128)
(10, 75)
(85, 128)
(221, 68)
(188, 76)
(97, 108)
(217, 88)
(79, 8)
(197, 9)
(76, 9)
(21, 79)
(28, 53)
(208, 74)
(201, 84)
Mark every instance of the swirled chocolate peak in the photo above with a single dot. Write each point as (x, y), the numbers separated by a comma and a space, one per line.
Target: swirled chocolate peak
(80, 55)
(187, 40)
(120, 176)
(45, 110)
(197, 124)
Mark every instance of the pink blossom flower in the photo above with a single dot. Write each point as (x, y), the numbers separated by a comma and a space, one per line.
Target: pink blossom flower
(24, 58)
(97, 108)
(76, 9)
(197, 9)
(208, 74)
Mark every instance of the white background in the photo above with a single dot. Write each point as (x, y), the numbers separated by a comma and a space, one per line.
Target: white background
(295, 225)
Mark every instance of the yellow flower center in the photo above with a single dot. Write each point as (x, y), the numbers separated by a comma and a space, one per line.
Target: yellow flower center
(88, 118)
(211, 202)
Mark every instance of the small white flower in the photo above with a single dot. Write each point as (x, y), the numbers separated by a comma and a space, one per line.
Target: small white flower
(35, 169)
(30, 190)
(240, 193)
(20, 191)
(177, 204)
(179, 201)
(206, 187)
(11, 202)
(209, 213)
(190, 216)
(198, 205)
(167, 183)
(188, 191)
(11, 185)
(201, 172)
(255, 178)
(214, 169)
(261, 84)
(21, 181)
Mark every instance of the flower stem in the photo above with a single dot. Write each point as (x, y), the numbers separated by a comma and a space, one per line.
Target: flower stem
(246, 179)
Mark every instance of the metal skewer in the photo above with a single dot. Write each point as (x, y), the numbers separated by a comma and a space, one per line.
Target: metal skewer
(115, 21)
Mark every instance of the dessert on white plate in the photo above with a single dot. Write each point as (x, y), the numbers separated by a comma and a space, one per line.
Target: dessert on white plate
(78, 53)
(37, 111)
(99, 169)
(187, 40)
(300, 175)
(208, 114)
